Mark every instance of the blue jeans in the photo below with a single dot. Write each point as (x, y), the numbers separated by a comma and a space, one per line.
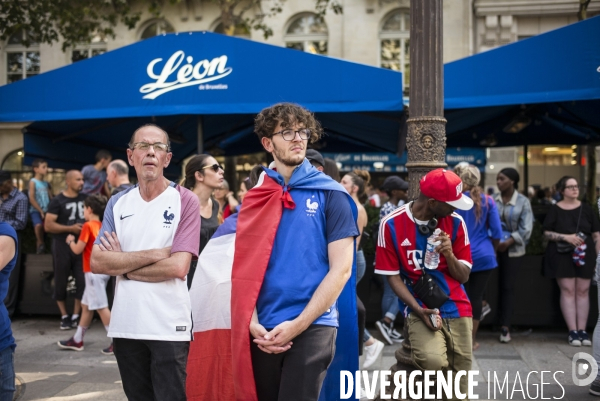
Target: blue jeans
(7, 374)
(389, 301)
(361, 265)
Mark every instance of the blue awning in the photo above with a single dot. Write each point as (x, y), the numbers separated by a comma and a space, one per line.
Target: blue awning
(171, 79)
(544, 90)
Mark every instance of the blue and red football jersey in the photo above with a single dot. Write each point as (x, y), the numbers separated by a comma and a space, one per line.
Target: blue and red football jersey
(401, 246)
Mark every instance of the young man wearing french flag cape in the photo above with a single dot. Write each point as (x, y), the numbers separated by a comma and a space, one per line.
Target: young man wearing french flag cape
(290, 289)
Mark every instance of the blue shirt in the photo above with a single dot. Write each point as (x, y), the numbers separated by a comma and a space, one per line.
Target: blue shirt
(482, 249)
(299, 260)
(42, 197)
(6, 336)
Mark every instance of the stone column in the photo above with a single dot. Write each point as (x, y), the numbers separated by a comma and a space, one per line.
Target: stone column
(426, 141)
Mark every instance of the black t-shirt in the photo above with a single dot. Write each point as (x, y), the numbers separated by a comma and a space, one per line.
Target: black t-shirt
(565, 221)
(209, 226)
(68, 210)
(120, 188)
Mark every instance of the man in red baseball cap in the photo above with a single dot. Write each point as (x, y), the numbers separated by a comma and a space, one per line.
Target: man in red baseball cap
(439, 327)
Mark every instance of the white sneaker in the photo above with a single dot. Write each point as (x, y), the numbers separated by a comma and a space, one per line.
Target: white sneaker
(505, 336)
(372, 352)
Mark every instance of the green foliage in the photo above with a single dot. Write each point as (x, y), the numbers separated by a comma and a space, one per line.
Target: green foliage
(368, 243)
(79, 21)
(76, 21)
(536, 245)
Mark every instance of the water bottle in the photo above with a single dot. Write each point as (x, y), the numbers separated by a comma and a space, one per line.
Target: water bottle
(432, 258)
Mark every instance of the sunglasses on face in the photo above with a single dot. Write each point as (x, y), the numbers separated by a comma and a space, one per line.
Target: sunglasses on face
(215, 167)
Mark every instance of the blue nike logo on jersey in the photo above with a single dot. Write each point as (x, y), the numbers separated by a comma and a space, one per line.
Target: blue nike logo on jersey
(124, 217)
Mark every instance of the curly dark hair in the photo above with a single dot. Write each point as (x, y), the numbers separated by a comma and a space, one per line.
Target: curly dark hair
(286, 114)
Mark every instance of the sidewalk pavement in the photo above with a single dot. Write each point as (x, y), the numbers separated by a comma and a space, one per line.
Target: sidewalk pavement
(49, 373)
(529, 351)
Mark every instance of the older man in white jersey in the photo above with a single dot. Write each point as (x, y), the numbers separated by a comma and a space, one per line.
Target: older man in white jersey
(149, 235)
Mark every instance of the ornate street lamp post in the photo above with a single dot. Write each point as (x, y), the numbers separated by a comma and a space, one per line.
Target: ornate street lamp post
(426, 140)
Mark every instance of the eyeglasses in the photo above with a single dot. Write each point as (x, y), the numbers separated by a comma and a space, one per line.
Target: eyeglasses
(214, 167)
(289, 134)
(158, 146)
(573, 187)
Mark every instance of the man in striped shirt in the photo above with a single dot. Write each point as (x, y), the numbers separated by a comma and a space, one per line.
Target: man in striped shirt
(442, 342)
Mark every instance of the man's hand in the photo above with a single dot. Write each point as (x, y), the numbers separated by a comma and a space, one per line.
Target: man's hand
(110, 242)
(445, 248)
(259, 332)
(76, 228)
(284, 332)
(424, 315)
(70, 238)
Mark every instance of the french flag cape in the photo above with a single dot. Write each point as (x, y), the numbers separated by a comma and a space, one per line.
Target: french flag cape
(226, 285)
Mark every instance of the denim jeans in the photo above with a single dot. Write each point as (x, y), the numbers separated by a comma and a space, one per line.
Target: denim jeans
(152, 370)
(7, 374)
(389, 301)
(361, 265)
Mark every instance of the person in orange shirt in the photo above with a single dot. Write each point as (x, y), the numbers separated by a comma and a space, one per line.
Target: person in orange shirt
(94, 297)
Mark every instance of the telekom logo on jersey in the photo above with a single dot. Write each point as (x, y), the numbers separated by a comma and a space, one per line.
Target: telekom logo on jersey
(185, 75)
(415, 258)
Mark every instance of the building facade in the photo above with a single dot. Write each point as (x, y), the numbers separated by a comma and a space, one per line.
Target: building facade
(372, 32)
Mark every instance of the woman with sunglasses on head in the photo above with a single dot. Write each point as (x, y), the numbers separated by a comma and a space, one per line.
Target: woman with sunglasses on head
(203, 175)
(226, 199)
(573, 233)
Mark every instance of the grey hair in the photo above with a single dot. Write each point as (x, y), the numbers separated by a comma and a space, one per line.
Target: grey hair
(120, 167)
(132, 140)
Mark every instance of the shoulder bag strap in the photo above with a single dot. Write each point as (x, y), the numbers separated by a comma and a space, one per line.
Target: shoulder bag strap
(579, 218)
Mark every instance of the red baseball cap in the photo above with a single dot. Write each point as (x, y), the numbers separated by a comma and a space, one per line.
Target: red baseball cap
(445, 186)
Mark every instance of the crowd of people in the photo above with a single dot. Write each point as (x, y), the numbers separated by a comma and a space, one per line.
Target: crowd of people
(300, 232)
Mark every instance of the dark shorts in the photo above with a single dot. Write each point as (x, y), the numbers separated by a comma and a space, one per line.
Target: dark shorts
(298, 373)
(36, 218)
(66, 263)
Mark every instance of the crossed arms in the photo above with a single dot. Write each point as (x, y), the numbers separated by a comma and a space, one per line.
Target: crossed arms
(152, 265)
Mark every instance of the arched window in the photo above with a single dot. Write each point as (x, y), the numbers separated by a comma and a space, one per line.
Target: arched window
(307, 32)
(395, 44)
(155, 28)
(87, 50)
(241, 31)
(21, 62)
